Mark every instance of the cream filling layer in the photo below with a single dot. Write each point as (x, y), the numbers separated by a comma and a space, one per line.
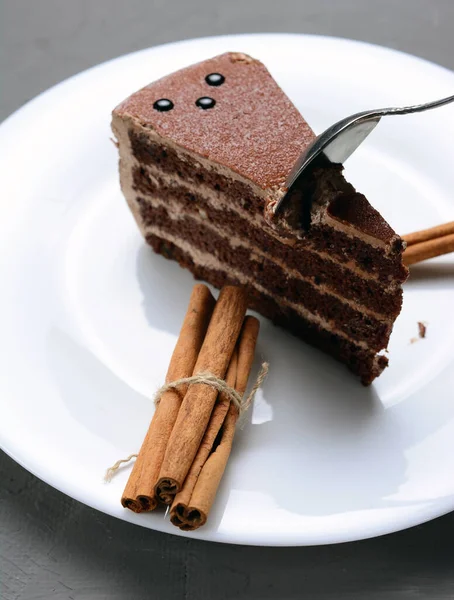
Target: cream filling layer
(127, 163)
(177, 213)
(209, 261)
(216, 201)
(372, 241)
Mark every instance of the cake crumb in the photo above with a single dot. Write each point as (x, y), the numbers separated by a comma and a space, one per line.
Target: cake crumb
(422, 328)
(239, 57)
(114, 142)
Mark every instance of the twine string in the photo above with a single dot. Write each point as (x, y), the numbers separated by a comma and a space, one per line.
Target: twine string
(208, 379)
(111, 471)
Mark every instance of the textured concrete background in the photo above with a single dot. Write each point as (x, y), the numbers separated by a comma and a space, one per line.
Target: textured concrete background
(52, 547)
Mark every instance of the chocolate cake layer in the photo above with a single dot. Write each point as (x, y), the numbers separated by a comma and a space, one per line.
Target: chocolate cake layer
(342, 207)
(345, 248)
(341, 280)
(360, 361)
(353, 322)
(167, 160)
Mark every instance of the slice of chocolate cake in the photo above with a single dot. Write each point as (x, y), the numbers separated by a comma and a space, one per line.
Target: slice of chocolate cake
(204, 157)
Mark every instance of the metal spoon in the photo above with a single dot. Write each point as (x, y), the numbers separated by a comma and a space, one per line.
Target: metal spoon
(339, 142)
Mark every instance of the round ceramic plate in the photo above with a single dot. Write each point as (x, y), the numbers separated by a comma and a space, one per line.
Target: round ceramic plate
(89, 315)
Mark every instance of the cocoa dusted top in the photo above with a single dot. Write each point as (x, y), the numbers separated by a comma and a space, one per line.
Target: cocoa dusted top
(230, 110)
(354, 210)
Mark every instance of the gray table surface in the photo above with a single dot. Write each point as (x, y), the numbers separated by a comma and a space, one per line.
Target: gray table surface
(53, 547)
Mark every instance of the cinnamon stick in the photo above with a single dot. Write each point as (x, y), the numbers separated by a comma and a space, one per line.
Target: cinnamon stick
(418, 252)
(139, 494)
(217, 419)
(190, 514)
(429, 234)
(197, 405)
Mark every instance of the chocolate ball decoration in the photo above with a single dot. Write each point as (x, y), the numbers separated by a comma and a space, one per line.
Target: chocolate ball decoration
(215, 79)
(163, 105)
(205, 102)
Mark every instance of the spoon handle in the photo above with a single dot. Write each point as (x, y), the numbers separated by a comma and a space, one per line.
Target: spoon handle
(405, 110)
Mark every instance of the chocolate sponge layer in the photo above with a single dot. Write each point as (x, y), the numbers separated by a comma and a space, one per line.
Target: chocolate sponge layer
(341, 246)
(347, 319)
(343, 281)
(362, 362)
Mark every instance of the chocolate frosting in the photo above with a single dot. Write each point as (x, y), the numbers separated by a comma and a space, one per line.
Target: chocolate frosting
(354, 210)
(253, 129)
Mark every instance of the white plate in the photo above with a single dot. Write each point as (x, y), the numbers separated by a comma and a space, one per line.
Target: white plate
(89, 315)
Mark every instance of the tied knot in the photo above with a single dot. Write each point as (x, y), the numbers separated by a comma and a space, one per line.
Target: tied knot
(207, 379)
(218, 384)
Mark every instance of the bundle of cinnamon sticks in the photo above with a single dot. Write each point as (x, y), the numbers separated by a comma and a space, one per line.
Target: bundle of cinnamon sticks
(188, 443)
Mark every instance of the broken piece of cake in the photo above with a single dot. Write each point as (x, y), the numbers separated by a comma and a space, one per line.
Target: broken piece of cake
(204, 156)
